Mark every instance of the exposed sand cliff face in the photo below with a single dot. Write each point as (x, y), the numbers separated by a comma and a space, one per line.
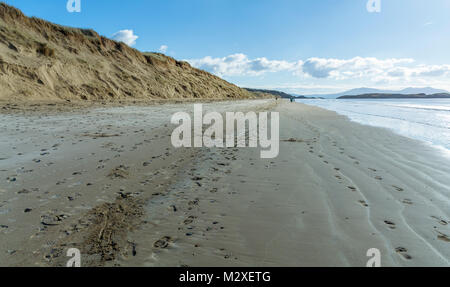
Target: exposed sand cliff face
(44, 61)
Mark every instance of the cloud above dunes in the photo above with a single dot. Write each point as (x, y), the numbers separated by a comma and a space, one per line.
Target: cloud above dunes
(356, 67)
(163, 48)
(240, 64)
(369, 68)
(126, 36)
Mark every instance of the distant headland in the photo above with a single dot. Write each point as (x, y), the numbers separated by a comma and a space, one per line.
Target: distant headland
(398, 96)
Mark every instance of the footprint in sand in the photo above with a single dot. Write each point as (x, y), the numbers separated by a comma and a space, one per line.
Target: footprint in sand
(189, 220)
(443, 237)
(403, 252)
(352, 188)
(407, 201)
(193, 202)
(23, 191)
(163, 242)
(50, 219)
(120, 172)
(363, 203)
(440, 220)
(397, 188)
(390, 224)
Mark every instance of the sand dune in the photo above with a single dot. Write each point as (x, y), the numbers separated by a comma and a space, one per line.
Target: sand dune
(41, 61)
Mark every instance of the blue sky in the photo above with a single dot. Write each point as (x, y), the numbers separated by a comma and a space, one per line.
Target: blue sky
(303, 46)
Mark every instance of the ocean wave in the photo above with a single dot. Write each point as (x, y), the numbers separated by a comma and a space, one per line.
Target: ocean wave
(423, 107)
(409, 120)
(427, 121)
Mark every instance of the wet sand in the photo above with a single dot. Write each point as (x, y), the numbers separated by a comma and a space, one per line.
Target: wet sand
(107, 181)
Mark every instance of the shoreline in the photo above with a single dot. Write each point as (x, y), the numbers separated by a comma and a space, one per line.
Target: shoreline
(442, 149)
(337, 189)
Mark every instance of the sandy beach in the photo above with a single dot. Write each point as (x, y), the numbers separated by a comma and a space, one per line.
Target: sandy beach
(107, 180)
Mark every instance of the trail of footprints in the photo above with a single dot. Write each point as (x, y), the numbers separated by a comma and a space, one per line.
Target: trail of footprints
(193, 223)
(55, 217)
(402, 251)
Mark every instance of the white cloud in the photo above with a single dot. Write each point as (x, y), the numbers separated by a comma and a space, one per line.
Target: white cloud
(429, 71)
(240, 64)
(163, 48)
(320, 68)
(357, 71)
(356, 67)
(126, 36)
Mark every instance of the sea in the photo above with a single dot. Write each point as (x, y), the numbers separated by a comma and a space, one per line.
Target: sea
(427, 120)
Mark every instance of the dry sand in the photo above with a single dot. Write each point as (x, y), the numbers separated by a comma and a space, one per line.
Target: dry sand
(107, 181)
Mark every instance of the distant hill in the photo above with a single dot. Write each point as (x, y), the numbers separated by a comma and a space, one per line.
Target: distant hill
(305, 97)
(40, 60)
(270, 92)
(277, 94)
(398, 96)
(364, 91)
